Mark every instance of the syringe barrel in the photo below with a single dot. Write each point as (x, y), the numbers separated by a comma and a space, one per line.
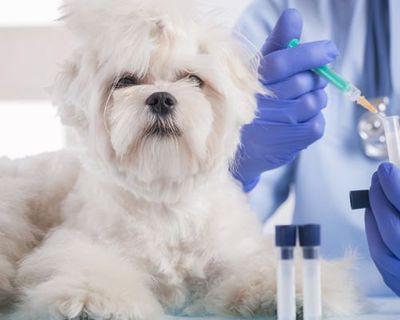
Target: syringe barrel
(329, 74)
(392, 133)
(311, 284)
(286, 293)
(352, 92)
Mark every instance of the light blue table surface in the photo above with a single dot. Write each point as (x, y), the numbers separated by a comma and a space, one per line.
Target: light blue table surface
(381, 309)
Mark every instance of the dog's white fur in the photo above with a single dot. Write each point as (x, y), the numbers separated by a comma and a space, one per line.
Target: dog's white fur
(142, 224)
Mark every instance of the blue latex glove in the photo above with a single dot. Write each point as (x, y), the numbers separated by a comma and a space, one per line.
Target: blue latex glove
(291, 120)
(383, 224)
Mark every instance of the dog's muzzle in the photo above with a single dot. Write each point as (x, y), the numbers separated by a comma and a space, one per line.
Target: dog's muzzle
(161, 103)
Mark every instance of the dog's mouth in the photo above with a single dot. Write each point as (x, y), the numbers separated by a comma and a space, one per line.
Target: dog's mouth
(162, 128)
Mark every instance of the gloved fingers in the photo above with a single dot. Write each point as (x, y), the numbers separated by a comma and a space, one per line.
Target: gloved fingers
(282, 64)
(296, 111)
(288, 27)
(297, 85)
(392, 281)
(312, 130)
(389, 178)
(386, 216)
(311, 106)
(387, 263)
(294, 137)
(268, 145)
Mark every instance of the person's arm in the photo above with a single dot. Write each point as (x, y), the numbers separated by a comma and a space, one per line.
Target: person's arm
(289, 119)
(257, 21)
(383, 224)
(272, 191)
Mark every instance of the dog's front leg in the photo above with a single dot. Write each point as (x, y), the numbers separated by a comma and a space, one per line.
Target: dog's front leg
(74, 277)
(246, 288)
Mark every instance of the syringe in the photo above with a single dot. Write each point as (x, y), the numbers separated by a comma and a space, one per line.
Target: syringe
(350, 90)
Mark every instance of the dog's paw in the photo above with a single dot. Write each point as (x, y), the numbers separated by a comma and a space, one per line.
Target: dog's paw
(97, 306)
(245, 294)
(83, 316)
(64, 299)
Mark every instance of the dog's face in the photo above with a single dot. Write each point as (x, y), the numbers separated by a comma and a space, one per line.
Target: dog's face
(156, 96)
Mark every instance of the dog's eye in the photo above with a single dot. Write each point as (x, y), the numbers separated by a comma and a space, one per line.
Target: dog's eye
(126, 81)
(196, 79)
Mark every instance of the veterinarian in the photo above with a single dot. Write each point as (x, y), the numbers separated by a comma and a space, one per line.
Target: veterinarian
(278, 152)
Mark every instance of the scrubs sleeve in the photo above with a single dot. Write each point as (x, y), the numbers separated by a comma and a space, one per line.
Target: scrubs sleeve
(272, 191)
(257, 22)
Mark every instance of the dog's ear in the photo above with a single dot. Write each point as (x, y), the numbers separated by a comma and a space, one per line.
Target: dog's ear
(67, 95)
(242, 66)
(241, 69)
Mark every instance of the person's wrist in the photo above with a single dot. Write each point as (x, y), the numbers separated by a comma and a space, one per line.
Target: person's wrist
(249, 185)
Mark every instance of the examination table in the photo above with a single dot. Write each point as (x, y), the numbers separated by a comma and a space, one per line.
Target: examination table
(381, 309)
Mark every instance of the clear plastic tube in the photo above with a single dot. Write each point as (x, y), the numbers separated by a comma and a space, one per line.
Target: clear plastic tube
(312, 301)
(392, 133)
(286, 298)
(352, 92)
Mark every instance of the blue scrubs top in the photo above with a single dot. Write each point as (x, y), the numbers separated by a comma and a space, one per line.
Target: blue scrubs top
(323, 174)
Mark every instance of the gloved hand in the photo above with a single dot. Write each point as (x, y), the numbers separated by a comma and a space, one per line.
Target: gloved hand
(383, 224)
(291, 120)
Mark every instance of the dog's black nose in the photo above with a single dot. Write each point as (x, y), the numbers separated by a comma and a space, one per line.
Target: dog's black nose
(161, 103)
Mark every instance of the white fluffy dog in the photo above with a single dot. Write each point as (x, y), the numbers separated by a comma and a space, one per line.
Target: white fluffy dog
(149, 219)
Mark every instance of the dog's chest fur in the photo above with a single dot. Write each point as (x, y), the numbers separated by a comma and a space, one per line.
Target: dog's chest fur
(172, 245)
(171, 242)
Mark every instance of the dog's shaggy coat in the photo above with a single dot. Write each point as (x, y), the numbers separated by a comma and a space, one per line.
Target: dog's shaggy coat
(145, 218)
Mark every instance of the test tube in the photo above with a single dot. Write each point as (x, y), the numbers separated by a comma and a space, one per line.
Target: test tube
(392, 133)
(360, 199)
(285, 240)
(310, 241)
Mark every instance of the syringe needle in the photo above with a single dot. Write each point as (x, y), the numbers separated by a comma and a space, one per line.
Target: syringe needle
(362, 101)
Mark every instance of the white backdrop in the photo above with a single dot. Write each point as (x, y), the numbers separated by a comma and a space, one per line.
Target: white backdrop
(45, 12)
